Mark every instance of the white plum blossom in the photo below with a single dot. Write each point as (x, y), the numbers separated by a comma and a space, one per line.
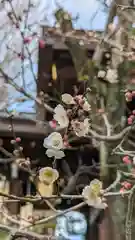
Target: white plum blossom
(67, 99)
(79, 99)
(112, 76)
(54, 140)
(60, 115)
(101, 74)
(92, 194)
(86, 106)
(81, 129)
(54, 144)
(48, 175)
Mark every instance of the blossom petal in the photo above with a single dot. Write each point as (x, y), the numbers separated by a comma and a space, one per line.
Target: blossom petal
(59, 154)
(85, 191)
(50, 153)
(96, 185)
(48, 175)
(102, 205)
(94, 203)
(58, 109)
(45, 190)
(52, 139)
(67, 99)
(60, 115)
(86, 106)
(91, 194)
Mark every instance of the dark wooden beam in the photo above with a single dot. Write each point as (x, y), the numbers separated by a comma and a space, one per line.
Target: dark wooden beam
(22, 127)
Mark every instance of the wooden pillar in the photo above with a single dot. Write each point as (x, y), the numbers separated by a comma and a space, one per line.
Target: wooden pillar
(44, 74)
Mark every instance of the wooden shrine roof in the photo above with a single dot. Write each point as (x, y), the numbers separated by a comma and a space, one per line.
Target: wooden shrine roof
(54, 36)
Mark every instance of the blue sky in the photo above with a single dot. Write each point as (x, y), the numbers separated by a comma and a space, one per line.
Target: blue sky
(86, 10)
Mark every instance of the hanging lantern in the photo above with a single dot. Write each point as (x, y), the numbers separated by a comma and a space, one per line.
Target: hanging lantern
(54, 72)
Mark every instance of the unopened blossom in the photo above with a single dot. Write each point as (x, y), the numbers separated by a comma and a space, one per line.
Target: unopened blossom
(81, 129)
(48, 175)
(67, 99)
(54, 145)
(126, 185)
(126, 160)
(53, 124)
(41, 43)
(92, 194)
(112, 76)
(130, 120)
(60, 115)
(101, 74)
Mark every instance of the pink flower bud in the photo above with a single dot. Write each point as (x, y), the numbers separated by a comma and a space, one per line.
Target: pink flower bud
(18, 139)
(41, 43)
(132, 116)
(133, 112)
(53, 124)
(130, 120)
(126, 185)
(126, 160)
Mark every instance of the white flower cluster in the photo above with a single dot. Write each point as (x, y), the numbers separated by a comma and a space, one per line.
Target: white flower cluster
(92, 194)
(72, 115)
(81, 129)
